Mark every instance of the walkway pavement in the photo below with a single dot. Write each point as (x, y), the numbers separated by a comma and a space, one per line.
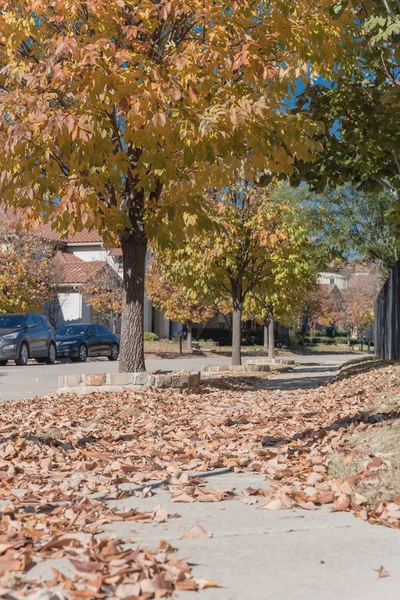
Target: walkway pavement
(40, 380)
(253, 554)
(261, 554)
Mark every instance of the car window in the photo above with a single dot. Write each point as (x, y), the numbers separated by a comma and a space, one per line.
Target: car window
(72, 330)
(29, 320)
(92, 330)
(38, 321)
(12, 321)
(102, 330)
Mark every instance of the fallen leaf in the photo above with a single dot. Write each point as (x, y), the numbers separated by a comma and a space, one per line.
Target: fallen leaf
(196, 533)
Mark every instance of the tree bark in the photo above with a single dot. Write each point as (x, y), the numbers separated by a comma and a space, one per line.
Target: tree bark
(236, 325)
(266, 335)
(271, 350)
(189, 341)
(134, 248)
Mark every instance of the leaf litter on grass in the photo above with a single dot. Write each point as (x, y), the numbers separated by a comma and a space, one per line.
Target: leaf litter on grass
(63, 458)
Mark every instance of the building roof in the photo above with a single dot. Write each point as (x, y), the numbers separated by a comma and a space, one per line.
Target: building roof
(115, 252)
(82, 237)
(69, 269)
(329, 287)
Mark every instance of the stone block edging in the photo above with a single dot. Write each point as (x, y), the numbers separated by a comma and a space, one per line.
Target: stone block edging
(269, 361)
(247, 368)
(119, 382)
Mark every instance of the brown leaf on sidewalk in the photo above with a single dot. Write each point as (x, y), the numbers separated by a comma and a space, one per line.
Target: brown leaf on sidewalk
(249, 500)
(204, 584)
(181, 496)
(274, 504)
(196, 533)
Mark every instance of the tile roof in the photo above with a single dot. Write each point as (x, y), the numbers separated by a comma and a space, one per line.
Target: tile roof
(328, 287)
(71, 269)
(82, 237)
(115, 252)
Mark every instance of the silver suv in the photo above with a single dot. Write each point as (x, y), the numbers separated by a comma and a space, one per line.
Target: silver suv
(25, 336)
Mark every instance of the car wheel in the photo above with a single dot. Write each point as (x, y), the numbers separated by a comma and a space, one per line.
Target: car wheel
(3, 363)
(114, 352)
(82, 353)
(52, 355)
(23, 357)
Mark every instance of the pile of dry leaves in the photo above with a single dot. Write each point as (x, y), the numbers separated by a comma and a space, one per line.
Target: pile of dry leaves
(62, 458)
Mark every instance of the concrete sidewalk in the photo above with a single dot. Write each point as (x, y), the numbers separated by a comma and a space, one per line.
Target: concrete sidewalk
(40, 380)
(260, 554)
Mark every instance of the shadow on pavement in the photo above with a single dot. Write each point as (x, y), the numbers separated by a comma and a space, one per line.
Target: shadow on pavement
(296, 383)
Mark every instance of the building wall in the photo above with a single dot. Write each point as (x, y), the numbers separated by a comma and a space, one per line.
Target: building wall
(70, 307)
(75, 309)
(341, 281)
(88, 253)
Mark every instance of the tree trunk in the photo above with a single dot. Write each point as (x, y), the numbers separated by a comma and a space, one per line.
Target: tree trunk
(236, 325)
(189, 341)
(134, 248)
(266, 335)
(271, 350)
(348, 340)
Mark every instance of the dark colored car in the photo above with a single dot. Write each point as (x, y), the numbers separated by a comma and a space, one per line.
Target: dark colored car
(78, 342)
(25, 336)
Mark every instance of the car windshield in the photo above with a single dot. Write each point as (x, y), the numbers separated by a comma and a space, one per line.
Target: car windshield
(72, 330)
(12, 321)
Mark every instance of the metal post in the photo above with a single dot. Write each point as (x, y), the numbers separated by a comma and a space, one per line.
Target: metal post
(180, 345)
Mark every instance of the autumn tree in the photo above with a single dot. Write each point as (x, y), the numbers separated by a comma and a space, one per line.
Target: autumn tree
(26, 271)
(254, 238)
(282, 295)
(169, 294)
(358, 308)
(117, 114)
(104, 294)
(317, 306)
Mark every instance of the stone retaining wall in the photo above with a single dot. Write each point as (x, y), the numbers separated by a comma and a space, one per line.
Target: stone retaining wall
(119, 382)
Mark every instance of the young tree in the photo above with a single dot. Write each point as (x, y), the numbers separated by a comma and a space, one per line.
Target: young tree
(104, 294)
(284, 292)
(116, 114)
(170, 295)
(254, 239)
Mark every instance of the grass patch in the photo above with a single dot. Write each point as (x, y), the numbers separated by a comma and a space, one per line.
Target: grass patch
(382, 483)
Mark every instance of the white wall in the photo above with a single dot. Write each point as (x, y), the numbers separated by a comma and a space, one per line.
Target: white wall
(88, 253)
(74, 307)
(71, 306)
(341, 281)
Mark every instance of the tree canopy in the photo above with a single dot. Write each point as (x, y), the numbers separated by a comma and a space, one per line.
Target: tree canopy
(118, 114)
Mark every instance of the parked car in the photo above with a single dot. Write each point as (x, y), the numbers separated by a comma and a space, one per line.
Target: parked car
(25, 336)
(80, 341)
